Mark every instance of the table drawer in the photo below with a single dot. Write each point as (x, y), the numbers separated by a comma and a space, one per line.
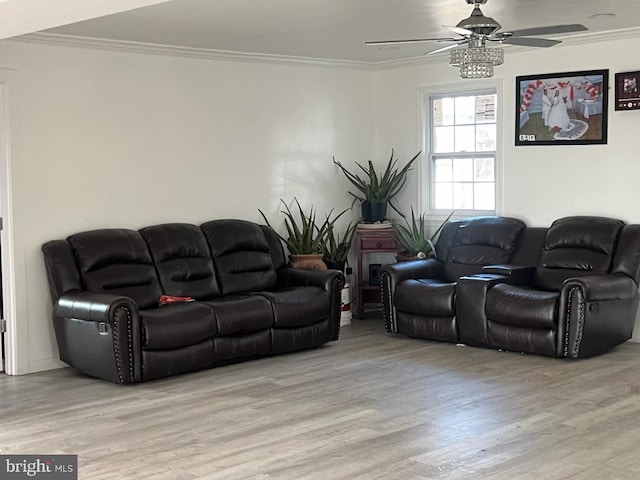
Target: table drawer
(378, 243)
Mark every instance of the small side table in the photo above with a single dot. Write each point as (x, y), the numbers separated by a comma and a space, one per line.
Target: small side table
(383, 240)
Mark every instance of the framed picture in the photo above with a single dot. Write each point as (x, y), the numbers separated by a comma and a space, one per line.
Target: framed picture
(567, 108)
(627, 91)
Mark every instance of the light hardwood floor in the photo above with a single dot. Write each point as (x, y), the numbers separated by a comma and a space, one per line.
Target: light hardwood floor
(370, 406)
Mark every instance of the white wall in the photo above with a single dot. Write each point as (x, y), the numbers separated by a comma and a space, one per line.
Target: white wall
(114, 139)
(540, 183)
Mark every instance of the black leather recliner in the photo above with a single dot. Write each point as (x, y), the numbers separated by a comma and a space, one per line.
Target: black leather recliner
(419, 296)
(580, 300)
(106, 287)
(570, 290)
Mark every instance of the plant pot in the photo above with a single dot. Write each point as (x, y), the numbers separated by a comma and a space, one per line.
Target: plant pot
(335, 265)
(374, 211)
(312, 261)
(405, 257)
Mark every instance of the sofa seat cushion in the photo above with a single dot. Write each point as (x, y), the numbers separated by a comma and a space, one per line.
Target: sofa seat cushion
(241, 314)
(177, 325)
(426, 297)
(298, 306)
(522, 307)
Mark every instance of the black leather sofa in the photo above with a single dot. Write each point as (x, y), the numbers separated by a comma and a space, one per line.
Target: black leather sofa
(106, 287)
(570, 290)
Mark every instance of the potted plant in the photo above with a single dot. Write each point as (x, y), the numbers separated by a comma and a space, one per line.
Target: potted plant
(413, 240)
(305, 240)
(336, 247)
(376, 190)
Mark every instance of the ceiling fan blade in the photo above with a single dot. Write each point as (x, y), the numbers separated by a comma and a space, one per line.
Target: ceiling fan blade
(531, 42)
(549, 30)
(416, 40)
(459, 30)
(444, 49)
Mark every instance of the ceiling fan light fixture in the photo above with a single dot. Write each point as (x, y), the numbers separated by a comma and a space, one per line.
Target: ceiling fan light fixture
(476, 62)
(476, 70)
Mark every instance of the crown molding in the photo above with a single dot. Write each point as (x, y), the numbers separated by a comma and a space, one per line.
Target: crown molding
(211, 54)
(189, 52)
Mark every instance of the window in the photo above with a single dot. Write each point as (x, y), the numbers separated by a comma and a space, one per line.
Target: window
(462, 138)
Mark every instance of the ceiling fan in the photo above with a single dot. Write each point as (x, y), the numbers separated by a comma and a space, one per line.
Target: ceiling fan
(476, 31)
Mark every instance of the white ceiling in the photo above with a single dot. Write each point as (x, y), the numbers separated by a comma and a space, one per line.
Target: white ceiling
(25, 16)
(335, 29)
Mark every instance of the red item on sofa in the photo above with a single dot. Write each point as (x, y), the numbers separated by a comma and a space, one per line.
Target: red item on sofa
(167, 299)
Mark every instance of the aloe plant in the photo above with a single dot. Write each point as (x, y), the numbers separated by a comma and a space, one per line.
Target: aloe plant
(376, 186)
(413, 239)
(336, 248)
(304, 236)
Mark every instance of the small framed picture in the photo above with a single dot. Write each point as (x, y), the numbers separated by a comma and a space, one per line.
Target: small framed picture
(628, 91)
(568, 108)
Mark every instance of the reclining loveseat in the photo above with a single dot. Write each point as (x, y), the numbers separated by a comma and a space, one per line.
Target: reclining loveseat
(570, 290)
(233, 298)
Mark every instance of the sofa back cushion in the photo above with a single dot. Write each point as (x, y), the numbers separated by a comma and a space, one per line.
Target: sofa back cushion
(117, 261)
(529, 248)
(181, 255)
(241, 256)
(446, 238)
(481, 241)
(576, 246)
(275, 247)
(62, 271)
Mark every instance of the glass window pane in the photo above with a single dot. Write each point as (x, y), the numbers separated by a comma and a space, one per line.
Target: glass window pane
(465, 139)
(463, 170)
(485, 196)
(486, 108)
(442, 169)
(463, 196)
(443, 195)
(486, 138)
(465, 110)
(447, 110)
(437, 112)
(483, 170)
(443, 141)
(443, 111)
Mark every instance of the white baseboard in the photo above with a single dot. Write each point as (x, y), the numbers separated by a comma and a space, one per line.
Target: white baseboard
(45, 364)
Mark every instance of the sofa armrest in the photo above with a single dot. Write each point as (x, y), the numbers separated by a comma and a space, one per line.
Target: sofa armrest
(297, 277)
(331, 281)
(471, 299)
(604, 287)
(391, 275)
(520, 274)
(413, 269)
(99, 334)
(597, 313)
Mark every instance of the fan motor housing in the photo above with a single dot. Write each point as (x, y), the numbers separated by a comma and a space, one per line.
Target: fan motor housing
(477, 22)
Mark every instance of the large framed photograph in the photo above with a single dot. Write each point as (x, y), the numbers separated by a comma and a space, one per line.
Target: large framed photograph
(567, 108)
(627, 91)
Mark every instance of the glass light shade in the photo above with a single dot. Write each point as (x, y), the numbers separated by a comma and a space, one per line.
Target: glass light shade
(476, 62)
(476, 70)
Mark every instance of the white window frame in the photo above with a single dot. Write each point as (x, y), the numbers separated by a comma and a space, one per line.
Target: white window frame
(425, 94)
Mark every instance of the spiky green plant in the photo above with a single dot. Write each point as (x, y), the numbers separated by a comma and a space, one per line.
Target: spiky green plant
(378, 186)
(336, 248)
(412, 236)
(304, 236)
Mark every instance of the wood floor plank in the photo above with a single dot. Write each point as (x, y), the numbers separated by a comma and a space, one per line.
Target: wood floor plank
(370, 406)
